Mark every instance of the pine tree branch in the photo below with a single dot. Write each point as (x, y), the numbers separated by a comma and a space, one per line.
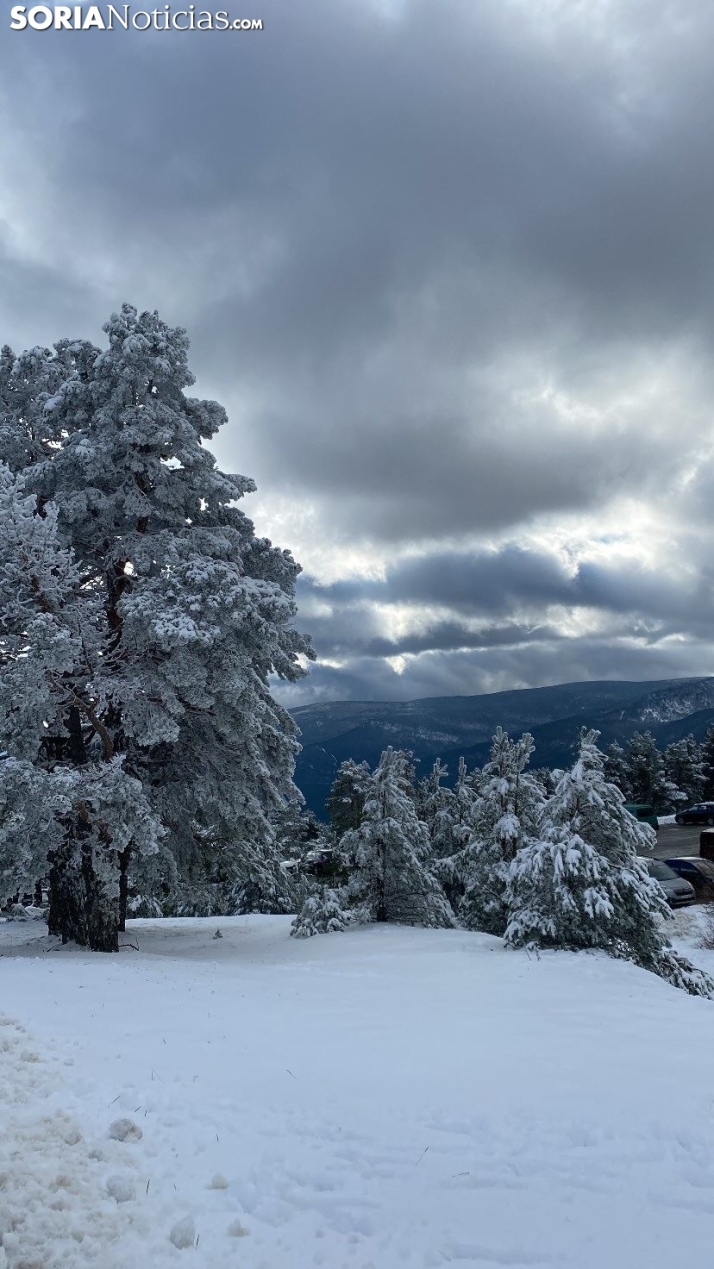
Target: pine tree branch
(102, 731)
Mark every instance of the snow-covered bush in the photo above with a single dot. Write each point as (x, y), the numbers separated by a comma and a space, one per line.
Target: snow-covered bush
(321, 913)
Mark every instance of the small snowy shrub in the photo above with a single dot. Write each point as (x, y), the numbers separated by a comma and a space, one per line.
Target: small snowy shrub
(321, 913)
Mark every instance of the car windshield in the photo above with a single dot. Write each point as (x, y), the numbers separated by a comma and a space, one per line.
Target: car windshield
(660, 871)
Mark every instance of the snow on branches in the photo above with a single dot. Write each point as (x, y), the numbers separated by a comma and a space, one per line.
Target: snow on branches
(141, 619)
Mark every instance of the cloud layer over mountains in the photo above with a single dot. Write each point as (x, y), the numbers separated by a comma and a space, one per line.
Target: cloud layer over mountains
(450, 268)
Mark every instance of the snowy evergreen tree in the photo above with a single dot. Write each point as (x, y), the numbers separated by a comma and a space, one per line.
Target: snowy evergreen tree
(345, 802)
(193, 612)
(684, 770)
(708, 765)
(67, 796)
(27, 430)
(297, 830)
(392, 880)
(504, 818)
(546, 779)
(440, 809)
(583, 884)
(617, 770)
(646, 775)
(321, 913)
(447, 814)
(29, 826)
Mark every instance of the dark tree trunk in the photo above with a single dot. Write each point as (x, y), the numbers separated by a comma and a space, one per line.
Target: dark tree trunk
(66, 917)
(77, 748)
(124, 857)
(83, 909)
(101, 907)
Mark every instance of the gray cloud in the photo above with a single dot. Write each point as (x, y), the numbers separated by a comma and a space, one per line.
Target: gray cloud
(452, 273)
(537, 665)
(499, 582)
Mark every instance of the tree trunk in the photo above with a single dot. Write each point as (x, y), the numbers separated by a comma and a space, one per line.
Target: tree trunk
(66, 917)
(84, 908)
(77, 748)
(124, 857)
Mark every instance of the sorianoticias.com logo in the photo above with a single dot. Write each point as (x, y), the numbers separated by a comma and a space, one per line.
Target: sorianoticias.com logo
(77, 17)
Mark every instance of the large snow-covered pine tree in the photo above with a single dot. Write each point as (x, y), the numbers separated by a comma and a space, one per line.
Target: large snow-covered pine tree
(504, 816)
(67, 799)
(584, 883)
(345, 802)
(392, 880)
(646, 775)
(684, 769)
(195, 610)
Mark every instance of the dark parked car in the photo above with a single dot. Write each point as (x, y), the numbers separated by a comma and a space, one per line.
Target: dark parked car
(679, 891)
(700, 872)
(700, 813)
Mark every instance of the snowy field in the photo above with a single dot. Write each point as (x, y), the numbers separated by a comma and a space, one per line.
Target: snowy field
(387, 1098)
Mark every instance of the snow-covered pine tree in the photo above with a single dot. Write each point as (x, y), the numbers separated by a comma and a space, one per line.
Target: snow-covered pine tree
(196, 610)
(467, 789)
(504, 818)
(27, 431)
(684, 769)
(322, 913)
(66, 796)
(708, 764)
(296, 829)
(447, 814)
(346, 798)
(392, 880)
(438, 808)
(648, 782)
(582, 884)
(617, 770)
(546, 779)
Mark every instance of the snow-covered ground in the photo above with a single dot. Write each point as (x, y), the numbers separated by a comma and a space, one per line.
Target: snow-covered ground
(387, 1098)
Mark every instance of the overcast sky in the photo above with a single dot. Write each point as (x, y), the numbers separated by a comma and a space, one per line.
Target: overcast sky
(449, 264)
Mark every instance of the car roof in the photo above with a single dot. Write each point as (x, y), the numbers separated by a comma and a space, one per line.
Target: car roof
(693, 861)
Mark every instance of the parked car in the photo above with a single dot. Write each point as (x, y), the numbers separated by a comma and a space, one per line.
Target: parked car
(700, 872)
(679, 892)
(643, 812)
(700, 813)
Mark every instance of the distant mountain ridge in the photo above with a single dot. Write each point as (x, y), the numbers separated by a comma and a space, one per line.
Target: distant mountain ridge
(449, 727)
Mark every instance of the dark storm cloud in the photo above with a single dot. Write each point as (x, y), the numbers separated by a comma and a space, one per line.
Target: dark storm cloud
(499, 582)
(661, 623)
(345, 634)
(449, 267)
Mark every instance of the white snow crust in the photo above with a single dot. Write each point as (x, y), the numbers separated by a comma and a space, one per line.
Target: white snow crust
(394, 1098)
